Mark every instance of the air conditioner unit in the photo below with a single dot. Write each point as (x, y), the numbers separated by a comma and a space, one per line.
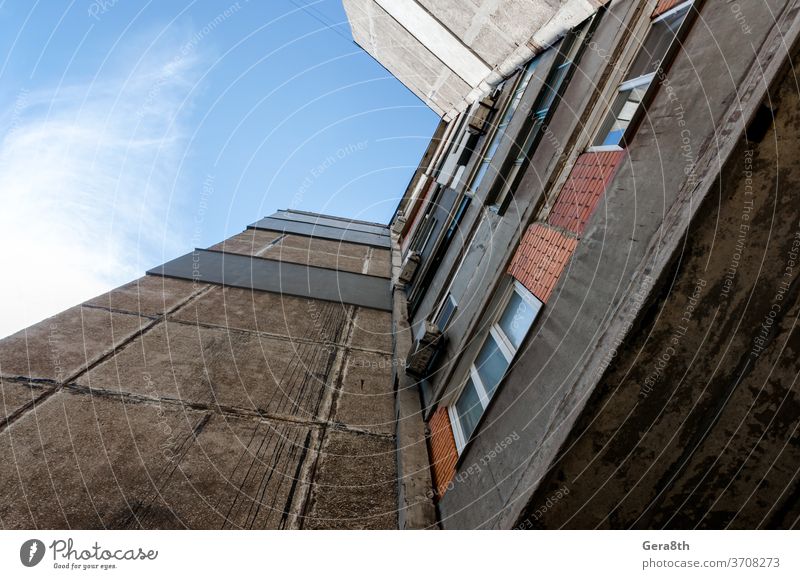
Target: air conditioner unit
(427, 344)
(410, 266)
(479, 118)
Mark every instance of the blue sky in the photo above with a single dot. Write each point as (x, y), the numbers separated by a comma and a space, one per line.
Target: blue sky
(131, 132)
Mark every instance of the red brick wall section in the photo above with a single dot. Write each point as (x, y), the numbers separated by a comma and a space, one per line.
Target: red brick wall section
(541, 256)
(585, 186)
(443, 450)
(665, 5)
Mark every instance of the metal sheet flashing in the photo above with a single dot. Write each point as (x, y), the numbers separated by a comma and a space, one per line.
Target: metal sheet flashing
(249, 272)
(323, 232)
(330, 222)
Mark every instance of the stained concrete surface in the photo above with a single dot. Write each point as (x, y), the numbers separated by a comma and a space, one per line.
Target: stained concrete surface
(15, 396)
(77, 461)
(249, 242)
(148, 295)
(210, 366)
(238, 474)
(327, 260)
(269, 313)
(380, 263)
(60, 346)
(373, 330)
(364, 402)
(328, 246)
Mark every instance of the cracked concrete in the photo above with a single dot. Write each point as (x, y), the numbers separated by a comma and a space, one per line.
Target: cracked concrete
(171, 404)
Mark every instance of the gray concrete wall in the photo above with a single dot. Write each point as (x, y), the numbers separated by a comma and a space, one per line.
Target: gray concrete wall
(552, 380)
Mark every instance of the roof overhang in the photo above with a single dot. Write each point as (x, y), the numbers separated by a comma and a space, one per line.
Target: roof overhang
(451, 53)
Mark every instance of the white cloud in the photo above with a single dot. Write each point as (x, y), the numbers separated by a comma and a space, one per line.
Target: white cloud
(87, 175)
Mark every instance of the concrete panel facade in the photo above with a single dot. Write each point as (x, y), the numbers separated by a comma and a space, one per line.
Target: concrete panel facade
(172, 403)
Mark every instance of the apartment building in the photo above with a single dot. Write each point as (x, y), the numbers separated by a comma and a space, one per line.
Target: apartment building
(581, 316)
(600, 257)
(244, 386)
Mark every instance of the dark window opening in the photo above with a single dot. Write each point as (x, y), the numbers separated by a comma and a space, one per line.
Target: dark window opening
(761, 124)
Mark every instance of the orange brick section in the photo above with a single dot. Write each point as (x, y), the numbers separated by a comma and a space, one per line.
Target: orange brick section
(540, 259)
(443, 450)
(665, 5)
(585, 186)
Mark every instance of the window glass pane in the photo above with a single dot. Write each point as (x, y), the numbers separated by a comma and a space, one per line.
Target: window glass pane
(545, 99)
(493, 147)
(469, 409)
(457, 218)
(501, 129)
(479, 175)
(553, 87)
(614, 137)
(526, 78)
(626, 114)
(512, 108)
(527, 147)
(518, 318)
(647, 61)
(423, 234)
(656, 44)
(419, 236)
(507, 183)
(491, 365)
(446, 313)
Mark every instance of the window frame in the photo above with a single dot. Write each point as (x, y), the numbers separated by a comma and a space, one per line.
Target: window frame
(453, 139)
(465, 251)
(437, 318)
(527, 140)
(508, 351)
(442, 241)
(494, 140)
(459, 209)
(418, 244)
(612, 118)
(652, 86)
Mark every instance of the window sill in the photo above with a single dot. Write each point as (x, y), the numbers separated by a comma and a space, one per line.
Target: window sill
(603, 148)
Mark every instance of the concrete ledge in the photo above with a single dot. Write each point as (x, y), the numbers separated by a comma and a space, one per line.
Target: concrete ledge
(323, 232)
